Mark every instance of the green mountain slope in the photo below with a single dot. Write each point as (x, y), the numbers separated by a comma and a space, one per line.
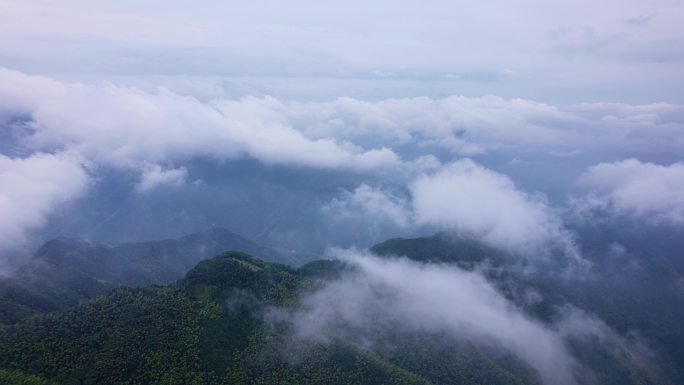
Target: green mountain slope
(64, 272)
(212, 328)
(207, 329)
(640, 293)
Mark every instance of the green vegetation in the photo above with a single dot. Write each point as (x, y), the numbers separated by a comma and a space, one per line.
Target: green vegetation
(15, 377)
(220, 325)
(642, 295)
(65, 272)
(208, 328)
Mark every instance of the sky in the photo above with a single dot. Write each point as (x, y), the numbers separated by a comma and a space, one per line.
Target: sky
(492, 118)
(561, 51)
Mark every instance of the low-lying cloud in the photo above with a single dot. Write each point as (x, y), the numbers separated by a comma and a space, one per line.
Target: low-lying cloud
(373, 203)
(32, 188)
(126, 127)
(403, 142)
(474, 200)
(154, 176)
(381, 292)
(636, 189)
(470, 126)
(469, 200)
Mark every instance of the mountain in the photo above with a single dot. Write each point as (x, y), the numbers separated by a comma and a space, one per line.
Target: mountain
(229, 322)
(64, 271)
(121, 315)
(440, 248)
(206, 329)
(636, 287)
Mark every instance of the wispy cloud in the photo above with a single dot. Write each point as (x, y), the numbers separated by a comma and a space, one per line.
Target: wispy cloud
(32, 188)
(154, 176)
(400, 297)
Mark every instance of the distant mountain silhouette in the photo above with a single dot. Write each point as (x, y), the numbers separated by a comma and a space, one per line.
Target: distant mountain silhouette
(66, 271)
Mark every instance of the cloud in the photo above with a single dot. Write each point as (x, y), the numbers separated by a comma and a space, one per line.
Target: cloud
(472, 126)
(465, 198)
(154, 176)
(32, 188)
(127, 127)
(474, 200)
(643, 190)
(380, 298)
(434, 298)
(371, 203)
(132, 129)
(466, 126)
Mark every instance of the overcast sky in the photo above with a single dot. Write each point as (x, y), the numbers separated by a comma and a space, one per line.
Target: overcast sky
(560, 51)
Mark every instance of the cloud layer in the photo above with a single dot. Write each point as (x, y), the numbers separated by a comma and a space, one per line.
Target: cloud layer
(631, 188)
(127, 127)
(123, 125)
(470, 126)
(404, 143)
(434, 298)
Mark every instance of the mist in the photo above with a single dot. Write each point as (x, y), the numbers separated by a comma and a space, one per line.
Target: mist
(380, 299)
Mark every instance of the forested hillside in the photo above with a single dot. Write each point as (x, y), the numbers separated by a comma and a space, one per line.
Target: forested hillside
(638, 293)
(230, 321)
(64, 271)
(188, 333)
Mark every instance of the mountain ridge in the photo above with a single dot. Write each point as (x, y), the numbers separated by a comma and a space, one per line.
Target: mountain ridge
(64, 271)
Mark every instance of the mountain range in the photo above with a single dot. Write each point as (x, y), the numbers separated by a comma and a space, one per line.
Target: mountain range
(65, 271)
(142, 314)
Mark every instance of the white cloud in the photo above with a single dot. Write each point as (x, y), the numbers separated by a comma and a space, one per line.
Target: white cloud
(127, 127)
(470, 200)
(467, 126)
(32, 188)
(130, 128)
(154, 175)
(474, 200)
(644, 190)
(373, 204)
(474, 125)
(433, 298)
(471, 126)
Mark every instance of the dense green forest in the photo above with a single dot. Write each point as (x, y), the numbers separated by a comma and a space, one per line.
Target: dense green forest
(185, 333)
(226, 322)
